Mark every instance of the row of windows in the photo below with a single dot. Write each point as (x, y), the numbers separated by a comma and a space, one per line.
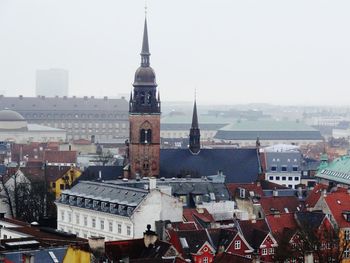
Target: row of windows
(284, 168)
(91, 125)
(283, 178)
(265, 251)
(75, 115)
(105, 225)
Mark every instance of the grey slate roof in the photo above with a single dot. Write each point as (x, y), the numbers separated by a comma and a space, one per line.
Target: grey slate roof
(268, 135)
(182, 186)
(62, 103)
(112, 193)
(238, 165)
(91, 173)
(283, 159)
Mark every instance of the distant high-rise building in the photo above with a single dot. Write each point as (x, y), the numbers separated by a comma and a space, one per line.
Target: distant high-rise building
(52, 82)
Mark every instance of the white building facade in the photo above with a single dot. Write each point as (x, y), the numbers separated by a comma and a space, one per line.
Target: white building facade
(112, 211)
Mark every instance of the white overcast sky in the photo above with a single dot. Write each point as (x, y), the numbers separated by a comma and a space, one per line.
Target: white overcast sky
(282, 52)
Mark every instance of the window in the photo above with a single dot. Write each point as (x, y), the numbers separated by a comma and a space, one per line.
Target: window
(93, 222)
(62, 215)
(284, 178)
(272, 251)
(77, 218)
(264, 251)
(69, 217)
(237, 244)
(274, 168)
(347, 253)
(110, 226)
(347, 234)
(62, 186)
(295, 168)
(119, 228)
(85, 220)
(284, 168)
(290, 178)
(296, 178)
(277, 177)
(102, 223)
(146, 136)
(271, 178)
(128, 230)
(205, 260)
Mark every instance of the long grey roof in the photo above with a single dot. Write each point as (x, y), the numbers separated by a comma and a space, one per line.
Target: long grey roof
(268, 135)
(185, 186)
(62, 103)
(112, 193)
(238, 165)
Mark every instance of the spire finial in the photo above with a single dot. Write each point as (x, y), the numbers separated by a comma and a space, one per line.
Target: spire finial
(145, 8)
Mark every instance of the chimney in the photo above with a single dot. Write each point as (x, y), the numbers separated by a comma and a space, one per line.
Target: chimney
(149, 237)
(253, 219)
(99, 175)
(152, 183)
(97, 246)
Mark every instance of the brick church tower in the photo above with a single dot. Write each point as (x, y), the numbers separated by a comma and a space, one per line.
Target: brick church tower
(144, 118)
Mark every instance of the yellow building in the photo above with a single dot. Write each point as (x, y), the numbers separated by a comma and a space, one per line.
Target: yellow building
(76, 254)
(61, 178)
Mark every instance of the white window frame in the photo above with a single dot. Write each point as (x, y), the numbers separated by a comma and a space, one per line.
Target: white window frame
(237, 244)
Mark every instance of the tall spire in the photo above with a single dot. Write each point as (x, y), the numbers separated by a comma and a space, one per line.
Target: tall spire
(145, 47)
(194, 117)
(195, 133)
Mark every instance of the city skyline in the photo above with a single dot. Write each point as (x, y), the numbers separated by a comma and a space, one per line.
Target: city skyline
(231, 52)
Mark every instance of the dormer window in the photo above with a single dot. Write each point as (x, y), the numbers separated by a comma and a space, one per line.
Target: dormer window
(95, 205)
(346, 215)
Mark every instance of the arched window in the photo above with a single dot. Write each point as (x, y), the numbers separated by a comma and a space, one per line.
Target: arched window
(145, 135)
(146, 132)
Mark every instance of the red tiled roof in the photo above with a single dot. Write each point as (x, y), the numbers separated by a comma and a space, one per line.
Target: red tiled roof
(192, 214)
(280, 223)
(14, 221)
(280, 203)
(314, 195)
(31, 150)
(254, 231)
(82, 142)
(60, 156)
(184, 225)
(338, 202)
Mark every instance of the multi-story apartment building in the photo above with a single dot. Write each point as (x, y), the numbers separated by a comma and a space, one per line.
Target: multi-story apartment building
(114, 211)
(83, 118)
(283, 168)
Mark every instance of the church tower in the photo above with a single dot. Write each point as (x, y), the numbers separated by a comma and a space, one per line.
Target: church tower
(195, 133)
(144, 118)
